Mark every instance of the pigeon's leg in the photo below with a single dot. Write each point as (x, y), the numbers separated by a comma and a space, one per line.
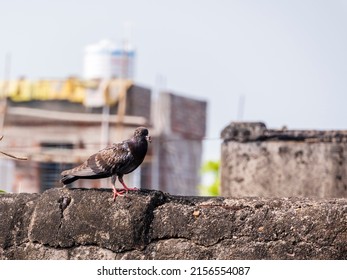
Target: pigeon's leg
(120, 178)
(115, 192)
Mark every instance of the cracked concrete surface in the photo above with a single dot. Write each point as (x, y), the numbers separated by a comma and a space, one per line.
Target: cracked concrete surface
(86, 224)
(256, 161)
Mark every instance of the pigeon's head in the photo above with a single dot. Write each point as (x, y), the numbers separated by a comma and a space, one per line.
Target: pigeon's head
(142, 132)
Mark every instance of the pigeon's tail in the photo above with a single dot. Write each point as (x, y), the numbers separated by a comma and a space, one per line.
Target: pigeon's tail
(68, 179)
(81, 172)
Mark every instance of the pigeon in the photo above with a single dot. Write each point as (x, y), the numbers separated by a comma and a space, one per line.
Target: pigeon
(113, 161)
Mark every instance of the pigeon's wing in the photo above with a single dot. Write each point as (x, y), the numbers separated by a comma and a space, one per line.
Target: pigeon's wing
(109, 160)
(104, 163)
(81, 170)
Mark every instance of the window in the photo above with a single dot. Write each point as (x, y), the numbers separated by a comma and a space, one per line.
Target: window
(49, 171)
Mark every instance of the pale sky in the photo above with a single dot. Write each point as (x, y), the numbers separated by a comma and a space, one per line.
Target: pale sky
(287, 58)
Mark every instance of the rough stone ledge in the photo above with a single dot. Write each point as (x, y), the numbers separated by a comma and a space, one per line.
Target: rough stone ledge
(86, 224)
(257, 131)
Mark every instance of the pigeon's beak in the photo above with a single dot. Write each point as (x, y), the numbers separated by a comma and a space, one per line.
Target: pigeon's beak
(148, 138)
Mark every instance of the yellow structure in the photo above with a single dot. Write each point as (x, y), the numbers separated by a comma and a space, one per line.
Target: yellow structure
(71, 89)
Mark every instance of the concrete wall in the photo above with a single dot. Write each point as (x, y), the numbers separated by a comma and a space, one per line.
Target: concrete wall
(87, 224)
(257, 161)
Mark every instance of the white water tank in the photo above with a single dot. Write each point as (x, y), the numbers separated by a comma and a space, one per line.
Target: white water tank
(107, 60)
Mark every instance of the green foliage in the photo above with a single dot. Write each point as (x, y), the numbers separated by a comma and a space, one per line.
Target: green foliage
(210, 169)
(1, 192)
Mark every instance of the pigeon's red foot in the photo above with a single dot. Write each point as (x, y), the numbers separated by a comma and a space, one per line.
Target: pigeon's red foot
(117, 193)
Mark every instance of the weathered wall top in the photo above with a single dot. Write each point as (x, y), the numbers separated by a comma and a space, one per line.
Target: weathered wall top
(256, 161)
(87, 224)
(257, 131)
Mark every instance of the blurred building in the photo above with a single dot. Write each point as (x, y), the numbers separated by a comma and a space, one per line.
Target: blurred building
(181, 125)
(57, 124)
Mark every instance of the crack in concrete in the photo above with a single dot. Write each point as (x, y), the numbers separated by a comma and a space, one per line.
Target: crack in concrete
(64, 202)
